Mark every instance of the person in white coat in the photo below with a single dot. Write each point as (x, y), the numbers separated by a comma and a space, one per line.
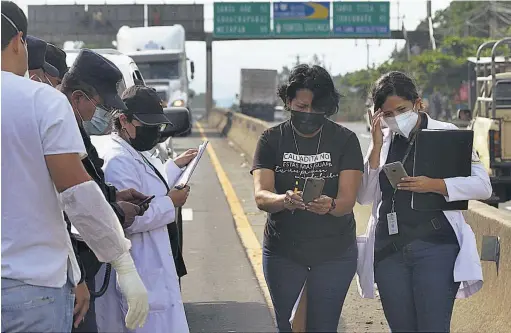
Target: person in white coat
(137, 130)
(418, 275)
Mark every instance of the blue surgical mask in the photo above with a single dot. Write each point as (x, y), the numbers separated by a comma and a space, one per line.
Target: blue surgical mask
(100, 124)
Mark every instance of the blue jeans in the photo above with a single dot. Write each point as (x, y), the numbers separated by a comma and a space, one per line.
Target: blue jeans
(327, 286)
(27, 308)
(417, 287)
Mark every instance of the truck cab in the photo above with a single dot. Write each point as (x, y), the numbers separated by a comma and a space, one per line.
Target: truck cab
(491, 121)
(160, 54)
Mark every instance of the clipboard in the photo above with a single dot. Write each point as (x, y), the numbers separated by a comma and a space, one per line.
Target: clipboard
(190, 168)
(442, 154)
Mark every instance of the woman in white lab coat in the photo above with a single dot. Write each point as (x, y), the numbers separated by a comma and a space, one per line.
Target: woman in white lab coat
(136, 131)
(418, 274)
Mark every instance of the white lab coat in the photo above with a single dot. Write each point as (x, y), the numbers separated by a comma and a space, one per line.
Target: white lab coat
(124, 168)
(467, 268)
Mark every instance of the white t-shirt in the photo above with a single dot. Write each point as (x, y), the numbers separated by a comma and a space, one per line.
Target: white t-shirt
(37, 120)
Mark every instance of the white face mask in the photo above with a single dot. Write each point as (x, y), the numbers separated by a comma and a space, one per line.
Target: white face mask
(403, 124)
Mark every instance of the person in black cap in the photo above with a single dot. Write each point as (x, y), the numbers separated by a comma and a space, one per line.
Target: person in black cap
(91, 87)
(128, 163)
(38, 68)
(14, 39)
(57, 58)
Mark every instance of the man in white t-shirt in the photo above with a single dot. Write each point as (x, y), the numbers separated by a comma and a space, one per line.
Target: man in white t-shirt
(41, 161)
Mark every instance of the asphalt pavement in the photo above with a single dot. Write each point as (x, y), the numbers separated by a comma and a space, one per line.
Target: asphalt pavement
(220, 292)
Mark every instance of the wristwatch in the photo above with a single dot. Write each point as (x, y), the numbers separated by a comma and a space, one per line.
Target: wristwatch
(332, 205)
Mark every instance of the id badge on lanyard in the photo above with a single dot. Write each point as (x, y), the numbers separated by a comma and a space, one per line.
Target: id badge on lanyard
(392, 216)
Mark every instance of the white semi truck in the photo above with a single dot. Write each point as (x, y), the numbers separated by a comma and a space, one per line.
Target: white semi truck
(160, 54)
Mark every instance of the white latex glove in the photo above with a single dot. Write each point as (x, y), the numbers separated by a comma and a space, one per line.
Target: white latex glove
(133, 290)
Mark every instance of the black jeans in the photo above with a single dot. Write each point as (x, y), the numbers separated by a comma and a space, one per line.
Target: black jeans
(327, 286)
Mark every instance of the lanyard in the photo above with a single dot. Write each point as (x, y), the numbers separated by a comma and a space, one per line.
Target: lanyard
(156, 172)
(403, 161)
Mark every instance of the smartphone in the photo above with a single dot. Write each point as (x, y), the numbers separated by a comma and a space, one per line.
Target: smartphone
(395, 171)
(146, 201)
(312, 189)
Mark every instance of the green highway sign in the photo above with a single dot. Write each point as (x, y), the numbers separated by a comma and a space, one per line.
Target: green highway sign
(361, 19)
(301, 19)
(241, 19)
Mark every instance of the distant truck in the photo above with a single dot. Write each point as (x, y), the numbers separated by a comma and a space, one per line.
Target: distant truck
(258, 93)
(160, 54)
(492, 117)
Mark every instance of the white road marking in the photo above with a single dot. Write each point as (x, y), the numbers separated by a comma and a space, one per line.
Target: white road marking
(508, 208)
(187, 214)
(366, 136)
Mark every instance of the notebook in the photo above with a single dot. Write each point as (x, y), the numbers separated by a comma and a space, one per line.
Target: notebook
(441, 154)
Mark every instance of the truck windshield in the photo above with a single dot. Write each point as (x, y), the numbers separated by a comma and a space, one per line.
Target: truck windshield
(159, 70)
(503, 94)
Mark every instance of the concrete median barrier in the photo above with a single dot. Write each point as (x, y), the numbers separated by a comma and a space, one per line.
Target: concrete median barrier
(488, 310)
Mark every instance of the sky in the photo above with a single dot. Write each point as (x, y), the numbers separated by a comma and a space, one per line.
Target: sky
(341, 56)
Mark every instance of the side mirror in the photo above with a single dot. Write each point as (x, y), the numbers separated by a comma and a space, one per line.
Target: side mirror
(192, 69)
(181, 122)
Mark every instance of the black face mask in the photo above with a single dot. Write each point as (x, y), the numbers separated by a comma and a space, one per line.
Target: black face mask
(146, 137)
(306, 122)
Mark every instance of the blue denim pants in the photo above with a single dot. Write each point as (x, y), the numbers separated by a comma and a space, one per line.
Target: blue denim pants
(27, 308)
(417, 287)
(327, 286)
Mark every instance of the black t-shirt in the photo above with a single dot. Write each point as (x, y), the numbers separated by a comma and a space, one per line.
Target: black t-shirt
(306, 237)
(407, 217)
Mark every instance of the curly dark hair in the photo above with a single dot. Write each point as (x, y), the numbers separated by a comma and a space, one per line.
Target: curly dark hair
(393, 84)
(316, 79)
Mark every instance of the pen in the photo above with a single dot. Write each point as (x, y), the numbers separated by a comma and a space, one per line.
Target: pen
(295, 191)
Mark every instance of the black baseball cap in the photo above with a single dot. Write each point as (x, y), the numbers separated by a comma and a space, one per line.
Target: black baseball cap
(13, 22)
(145, 105)
(101, 74)
(57, 58)
(37, 54)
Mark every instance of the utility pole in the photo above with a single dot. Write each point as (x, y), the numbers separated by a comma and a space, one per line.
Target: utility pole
(398, 15)
(493, 20)
(368, 47)
(428, 7)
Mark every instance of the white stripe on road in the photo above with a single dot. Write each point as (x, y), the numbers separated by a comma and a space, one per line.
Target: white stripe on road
(366, 136)
(187, 214)
(508, 207)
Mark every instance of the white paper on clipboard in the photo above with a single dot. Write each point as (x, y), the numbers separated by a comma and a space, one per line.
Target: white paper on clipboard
(188, 172)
